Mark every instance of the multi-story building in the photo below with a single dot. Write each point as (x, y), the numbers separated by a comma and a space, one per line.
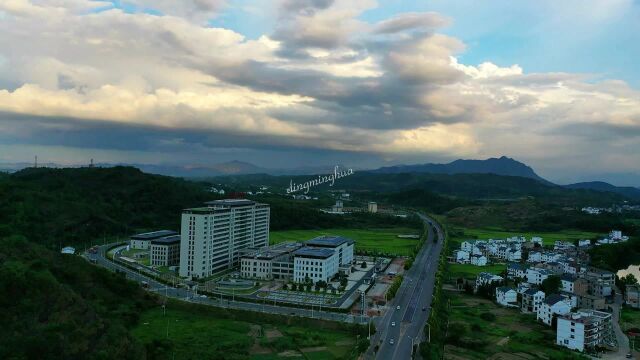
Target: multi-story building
(214, 236)
(143, 241)
(506, 296)
(275, 262)
(165, 251)
(600, 282)
(552, 306)
(315, 264)
(573, 284)
(585, 329)
(341, 245)
(516, 270)
(586, 301)
(485, 278)
(632, 296)
(531, 300)
(537, 275)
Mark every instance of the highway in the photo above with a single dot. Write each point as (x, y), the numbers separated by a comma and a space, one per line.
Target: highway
(414, 300)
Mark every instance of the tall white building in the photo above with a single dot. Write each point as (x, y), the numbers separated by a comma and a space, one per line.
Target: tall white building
(213, 236)
(315, 264)
(585, 329)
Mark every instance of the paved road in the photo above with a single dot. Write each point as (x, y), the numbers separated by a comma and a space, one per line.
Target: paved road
(414, 295)
(192, 296)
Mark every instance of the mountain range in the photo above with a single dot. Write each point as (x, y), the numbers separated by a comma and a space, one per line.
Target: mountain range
(503, 166)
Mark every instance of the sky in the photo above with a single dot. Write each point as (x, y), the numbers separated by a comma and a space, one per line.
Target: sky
(287, 83)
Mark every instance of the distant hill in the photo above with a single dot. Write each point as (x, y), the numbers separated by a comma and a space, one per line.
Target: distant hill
(499, 166)
(628, 191)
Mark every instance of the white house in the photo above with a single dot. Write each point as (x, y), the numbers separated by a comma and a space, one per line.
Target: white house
(461, 256)
(485, 278)
(550, 256)
(582, 243)
(467, 246)
(534, 256)
(531, 300)
(584, 329)
(536, 240)
(478, 260)
(517, 270)
(563, 245)
(537, 276)
(506, 296)
(514, 255)
(552, 306)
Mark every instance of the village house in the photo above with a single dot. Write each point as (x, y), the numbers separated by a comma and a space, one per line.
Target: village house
(632, 296)
(479, 260)
(586, 301)
(573, 284)
(485, 278)
(461, 256)
(585, 329)
(531, 300)
(506, 296)
(600, 282)
(516, 270)
(553, 305)
(536, 275)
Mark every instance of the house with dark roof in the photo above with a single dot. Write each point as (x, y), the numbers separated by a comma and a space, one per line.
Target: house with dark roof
(531, 300)
(506, 296)
(552, 306)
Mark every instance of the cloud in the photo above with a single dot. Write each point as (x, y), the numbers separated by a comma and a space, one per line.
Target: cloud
(411, 21)
(322, 80)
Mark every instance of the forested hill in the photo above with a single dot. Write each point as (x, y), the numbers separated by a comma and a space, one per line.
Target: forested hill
(70, 206)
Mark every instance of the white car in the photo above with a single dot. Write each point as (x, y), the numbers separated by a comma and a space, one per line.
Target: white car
(391, 341)
(393, 323)
(398, 307)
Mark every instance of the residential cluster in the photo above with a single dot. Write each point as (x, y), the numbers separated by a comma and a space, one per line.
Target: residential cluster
(575, 309)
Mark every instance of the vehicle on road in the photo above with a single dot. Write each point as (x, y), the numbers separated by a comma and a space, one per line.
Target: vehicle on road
(144, 284)
(393, 323)
(203, 296)
(391, 342)
(629, 356)
(424, 308)
(398, 307)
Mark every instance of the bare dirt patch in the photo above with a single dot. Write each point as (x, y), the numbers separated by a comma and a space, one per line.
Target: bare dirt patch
(272, 334)
(290, 353)
(313, 349)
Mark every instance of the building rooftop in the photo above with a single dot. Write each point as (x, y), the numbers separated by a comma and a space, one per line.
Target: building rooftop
(173, 239)
(153, 235)
(314, 253)
(553, 299)
(230, 202)
(328, 241)
(532, 291)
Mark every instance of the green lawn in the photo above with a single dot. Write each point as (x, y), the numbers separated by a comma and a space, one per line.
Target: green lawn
(473, 335)
(471, 271)
(198, 335)
(630, 319)
(461, 234)
(381, 240)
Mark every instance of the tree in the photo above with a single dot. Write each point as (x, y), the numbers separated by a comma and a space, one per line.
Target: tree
(551, 285)
(363, 265)
(344, 282)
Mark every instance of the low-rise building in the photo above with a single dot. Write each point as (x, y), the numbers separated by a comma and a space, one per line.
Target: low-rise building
(342, 246)
(506, 296)
(585, 329)
(517, 270)
(485, 278)
(275, 262)
(531, 300)
(632, 296)
(537, 275)
(573, 284)
(315, 264)
(552, 306)
(586, 301)
(143, 241)
(600, 282)
(461, 256)
(165, 251)
(478, 260)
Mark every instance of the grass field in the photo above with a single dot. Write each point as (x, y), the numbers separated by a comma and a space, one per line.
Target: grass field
(631, 319)
(381, 240)
(471, 271)
(505, 334)
(192, 335)
(461, 234)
